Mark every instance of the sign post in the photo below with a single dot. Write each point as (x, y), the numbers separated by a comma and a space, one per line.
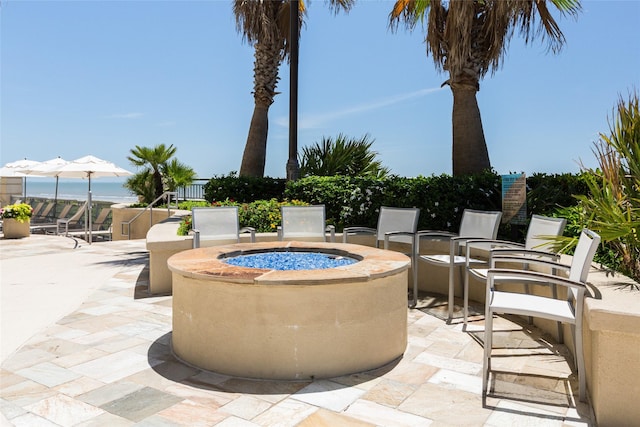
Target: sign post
(514, 199)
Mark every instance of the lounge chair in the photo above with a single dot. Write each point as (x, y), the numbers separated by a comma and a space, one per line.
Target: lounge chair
(395, 225)
(567, 310)
(100, 228)
(49, 225)
(305, 223)
(65, 225)
(46, 213)
(37, 209)
(217, 224)
(474, 225)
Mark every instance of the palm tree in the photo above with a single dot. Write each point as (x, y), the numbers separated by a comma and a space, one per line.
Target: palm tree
(342, 156)
(469, 38)
(154, 160)
(264, 24)
(177, 174)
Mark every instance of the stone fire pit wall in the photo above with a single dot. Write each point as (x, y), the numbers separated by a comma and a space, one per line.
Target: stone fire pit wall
(289, 325)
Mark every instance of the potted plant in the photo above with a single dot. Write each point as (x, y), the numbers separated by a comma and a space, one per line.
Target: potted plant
(16, 220)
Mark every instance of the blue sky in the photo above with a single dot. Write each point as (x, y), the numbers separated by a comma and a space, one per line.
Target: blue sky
(99, 77)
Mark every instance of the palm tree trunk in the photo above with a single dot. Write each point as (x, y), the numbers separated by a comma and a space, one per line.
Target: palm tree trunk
(266, 64)
(470, 153)
(254, 156)
(157, 183)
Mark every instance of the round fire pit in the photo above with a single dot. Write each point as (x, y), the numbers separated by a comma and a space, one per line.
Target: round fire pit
(289, 324)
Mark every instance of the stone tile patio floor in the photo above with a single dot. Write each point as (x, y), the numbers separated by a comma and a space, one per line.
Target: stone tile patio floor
(109, 363)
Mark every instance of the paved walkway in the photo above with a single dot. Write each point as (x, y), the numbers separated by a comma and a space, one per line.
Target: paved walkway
(83, 344)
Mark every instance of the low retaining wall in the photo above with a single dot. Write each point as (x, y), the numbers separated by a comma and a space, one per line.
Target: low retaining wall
(122, 213)
(611, 331)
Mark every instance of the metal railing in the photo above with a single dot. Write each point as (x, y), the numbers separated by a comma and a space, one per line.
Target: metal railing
(166, 196)
(194, 191)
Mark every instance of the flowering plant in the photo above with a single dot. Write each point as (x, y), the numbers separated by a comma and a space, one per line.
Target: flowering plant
(263, 215)
(21, 212)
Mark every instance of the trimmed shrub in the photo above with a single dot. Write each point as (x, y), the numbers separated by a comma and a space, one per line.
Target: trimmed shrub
(243, 189)
(357, 200)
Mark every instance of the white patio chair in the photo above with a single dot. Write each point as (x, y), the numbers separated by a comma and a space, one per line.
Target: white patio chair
(506, 301)
(305, 223)
(474, 225)
(538, 244)
(217, 223)
(394, 225)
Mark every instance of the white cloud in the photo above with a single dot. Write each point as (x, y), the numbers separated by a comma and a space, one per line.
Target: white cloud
(310, 121)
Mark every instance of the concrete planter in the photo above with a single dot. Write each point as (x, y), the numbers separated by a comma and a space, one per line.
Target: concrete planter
(14, 229)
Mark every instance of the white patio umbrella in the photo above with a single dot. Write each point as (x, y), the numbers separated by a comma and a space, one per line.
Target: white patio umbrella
(46, 166)
(87, 167)
(10, 172)
(17, 169)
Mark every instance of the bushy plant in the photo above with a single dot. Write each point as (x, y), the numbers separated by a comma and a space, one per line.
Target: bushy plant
(21, 212)
(186, 224)
(612, 208)
(263, 215)
(187, 205)
(161, 172)
(243, 189)
(342, 156)
(176, 174)
(548, 192)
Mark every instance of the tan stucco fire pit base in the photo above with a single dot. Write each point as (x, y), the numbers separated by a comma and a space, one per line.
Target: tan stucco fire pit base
(289, 325)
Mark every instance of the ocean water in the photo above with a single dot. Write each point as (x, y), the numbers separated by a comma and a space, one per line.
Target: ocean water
(101, 190)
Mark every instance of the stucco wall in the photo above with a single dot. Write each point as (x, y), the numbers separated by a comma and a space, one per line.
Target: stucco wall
(121, 213)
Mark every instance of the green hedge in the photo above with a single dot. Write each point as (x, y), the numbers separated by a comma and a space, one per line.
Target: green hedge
(356, 200)
(243, 189)
(546, 193)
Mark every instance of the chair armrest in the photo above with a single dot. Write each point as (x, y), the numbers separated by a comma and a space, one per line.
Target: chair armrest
(493, 244)
(356, 230)
(538, 261)
(251, 231)
(196, 237)
(389, 234)
(430, 235)
(62, 223)
(525, 253)
(457, 241)
(434, 234)
(488, 245)
(507, 275)
(332, 233)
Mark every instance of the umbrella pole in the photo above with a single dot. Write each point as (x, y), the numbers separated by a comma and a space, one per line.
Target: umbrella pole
(89, 213)
(55, 200)
(89, 206)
